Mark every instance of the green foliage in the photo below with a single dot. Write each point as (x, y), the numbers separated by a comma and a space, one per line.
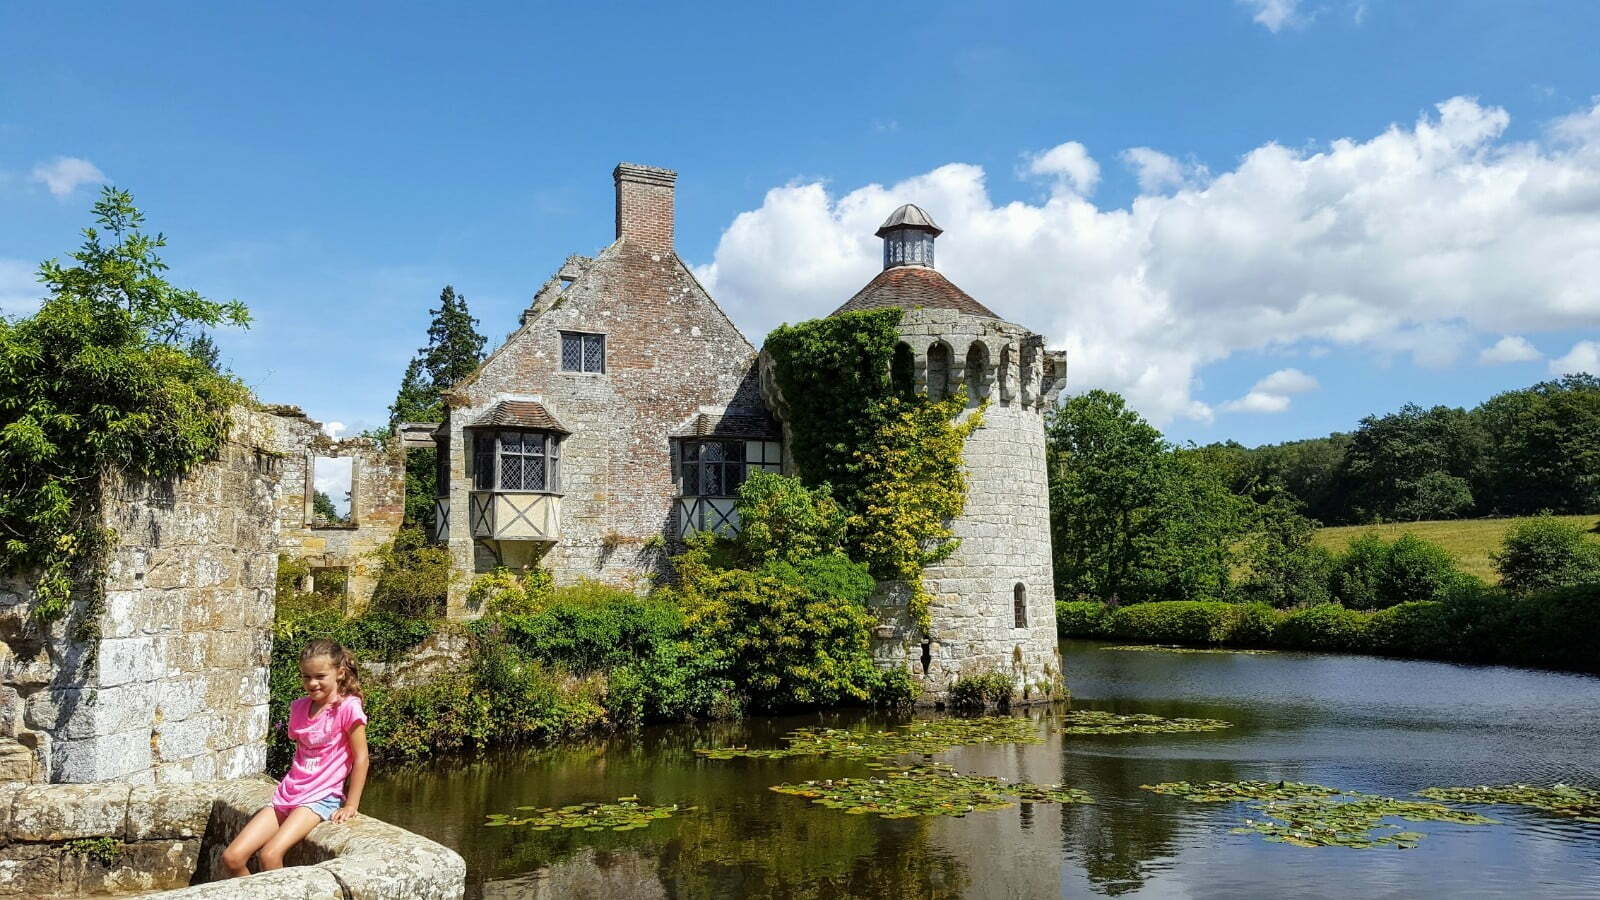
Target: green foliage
(1083, 618)
(414, 576)
(1542, 448)
(106, 851)
(981, 690)
(1373, 575)
(588, 627)
(787, 634)
(95, 382)
(833, 372)
(1325, 627)
(1547, 553)
(781, 519)
(892, 459)
(1177, 621)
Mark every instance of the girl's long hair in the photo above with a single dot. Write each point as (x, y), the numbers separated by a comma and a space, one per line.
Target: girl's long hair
(342, 659)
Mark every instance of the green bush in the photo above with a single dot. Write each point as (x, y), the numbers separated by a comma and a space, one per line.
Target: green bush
(1547, 553)
(587, 627)
(979, 691)
(1326, 627)
(780, 518)
(1419, 628)
(1255, 625)
(414, 576)
(1373, 575)
(1177, 621)
(1082, 619)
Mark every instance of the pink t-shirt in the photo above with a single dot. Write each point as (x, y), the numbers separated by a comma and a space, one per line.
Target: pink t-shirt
(321, 751)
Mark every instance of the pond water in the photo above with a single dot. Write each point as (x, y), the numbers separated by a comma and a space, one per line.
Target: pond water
(1358, 723)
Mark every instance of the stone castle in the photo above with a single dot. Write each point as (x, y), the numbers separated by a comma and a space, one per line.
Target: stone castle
(623, 413)
(627, 409)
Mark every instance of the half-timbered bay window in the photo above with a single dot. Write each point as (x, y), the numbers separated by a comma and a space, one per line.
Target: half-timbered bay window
(516, 473)
(517, 461)
(710, 473)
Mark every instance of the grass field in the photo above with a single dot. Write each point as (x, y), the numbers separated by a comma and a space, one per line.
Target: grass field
(1470, 541)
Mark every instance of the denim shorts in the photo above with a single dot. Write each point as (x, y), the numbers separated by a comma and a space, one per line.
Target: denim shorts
(323, 808)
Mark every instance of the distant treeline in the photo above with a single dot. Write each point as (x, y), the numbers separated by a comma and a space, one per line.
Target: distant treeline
(1519, 453)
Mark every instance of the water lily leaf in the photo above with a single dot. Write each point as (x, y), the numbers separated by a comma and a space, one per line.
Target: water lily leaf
(1578, 803)
(625, 815)
(1094, 721)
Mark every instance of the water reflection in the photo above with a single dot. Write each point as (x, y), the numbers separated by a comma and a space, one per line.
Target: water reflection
(1366, 724)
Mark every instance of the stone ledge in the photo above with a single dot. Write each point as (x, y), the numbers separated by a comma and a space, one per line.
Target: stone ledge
(174, 835)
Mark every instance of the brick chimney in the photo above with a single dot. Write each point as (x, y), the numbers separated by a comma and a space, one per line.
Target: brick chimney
(645, 205)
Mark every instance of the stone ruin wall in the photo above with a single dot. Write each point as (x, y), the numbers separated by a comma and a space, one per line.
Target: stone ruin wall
(1005, 529)
(167, 680)
(377, 504)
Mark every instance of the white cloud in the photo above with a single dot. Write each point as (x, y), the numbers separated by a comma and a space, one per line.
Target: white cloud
(331, 475)
(1069, 162)
(1583, 357)
(1420, 240)
(332, 429)
(1156, 170)
(1509, 349)
(20, 290)
(1271, 394)
(65, 174)
(1275, 15)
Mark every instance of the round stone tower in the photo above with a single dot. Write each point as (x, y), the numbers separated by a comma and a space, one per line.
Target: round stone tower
(994, 598)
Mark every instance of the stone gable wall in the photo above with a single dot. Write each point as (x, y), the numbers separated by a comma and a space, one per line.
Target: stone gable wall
(167, 681)
(670, 354)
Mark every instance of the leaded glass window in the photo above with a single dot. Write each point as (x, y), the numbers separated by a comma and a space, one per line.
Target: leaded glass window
(517, 461)
(583, 352)
(719, 468)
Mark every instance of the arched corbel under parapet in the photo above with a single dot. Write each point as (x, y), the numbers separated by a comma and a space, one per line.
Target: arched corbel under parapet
(1006, 375)
(978, 373)
(1032, 345)
(940, 367)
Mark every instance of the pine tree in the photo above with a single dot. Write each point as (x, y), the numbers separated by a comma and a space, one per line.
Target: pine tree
(454, 350)
(454, 345)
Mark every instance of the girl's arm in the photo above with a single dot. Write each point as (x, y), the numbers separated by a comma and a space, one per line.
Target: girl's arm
(358, 774)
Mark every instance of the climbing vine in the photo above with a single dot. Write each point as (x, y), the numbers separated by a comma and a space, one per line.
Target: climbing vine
(99, 381)
(892, 458)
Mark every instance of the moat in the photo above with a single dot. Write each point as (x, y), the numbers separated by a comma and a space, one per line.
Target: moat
(1358, 723)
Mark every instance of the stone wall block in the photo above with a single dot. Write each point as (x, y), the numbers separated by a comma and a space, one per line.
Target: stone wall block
(181, 740)
(298, 883)
(168, 812)
(29, 870)
(106, 757)
(122, 660)
(65, 812)
(144, 866)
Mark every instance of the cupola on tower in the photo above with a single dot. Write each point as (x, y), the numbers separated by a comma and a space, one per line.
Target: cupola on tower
(994, 598)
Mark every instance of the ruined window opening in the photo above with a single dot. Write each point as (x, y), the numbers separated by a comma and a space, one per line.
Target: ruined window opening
(1019, 604)
(517, 461)
(927, 656)
(1003, 375)
(582, 352)
(333, 491)
(938, 371)
(977, 372)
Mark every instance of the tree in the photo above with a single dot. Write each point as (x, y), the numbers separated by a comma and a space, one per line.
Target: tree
(96, 381)
(1542, 448)
(454, 350)
(322, 508)
(1105, 482)
(1547, 553)
(1386, 469)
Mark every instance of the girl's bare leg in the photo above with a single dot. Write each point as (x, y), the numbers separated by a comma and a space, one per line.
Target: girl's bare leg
(255, 834)
(296, 826)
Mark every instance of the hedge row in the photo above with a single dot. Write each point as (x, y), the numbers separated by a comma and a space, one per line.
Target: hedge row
(1556, 629)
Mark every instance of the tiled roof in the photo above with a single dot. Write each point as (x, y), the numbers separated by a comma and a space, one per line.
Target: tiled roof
(754, 427)
(910, 287)
(519, 414)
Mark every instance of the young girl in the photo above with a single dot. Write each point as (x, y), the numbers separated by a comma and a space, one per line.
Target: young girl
(329, 729)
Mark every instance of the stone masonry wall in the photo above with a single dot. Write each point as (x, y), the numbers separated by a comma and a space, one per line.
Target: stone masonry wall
(377, 503)
(671, 353)
(167, 681)
(1005, 529)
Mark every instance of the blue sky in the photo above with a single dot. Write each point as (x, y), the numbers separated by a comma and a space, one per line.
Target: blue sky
(1159, 187)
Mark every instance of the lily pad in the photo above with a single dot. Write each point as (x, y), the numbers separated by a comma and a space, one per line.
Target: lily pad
(926, 737)
(1094, 721)
(927, 791)
(1314, 815)
(1578, 803)
(627, 814)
